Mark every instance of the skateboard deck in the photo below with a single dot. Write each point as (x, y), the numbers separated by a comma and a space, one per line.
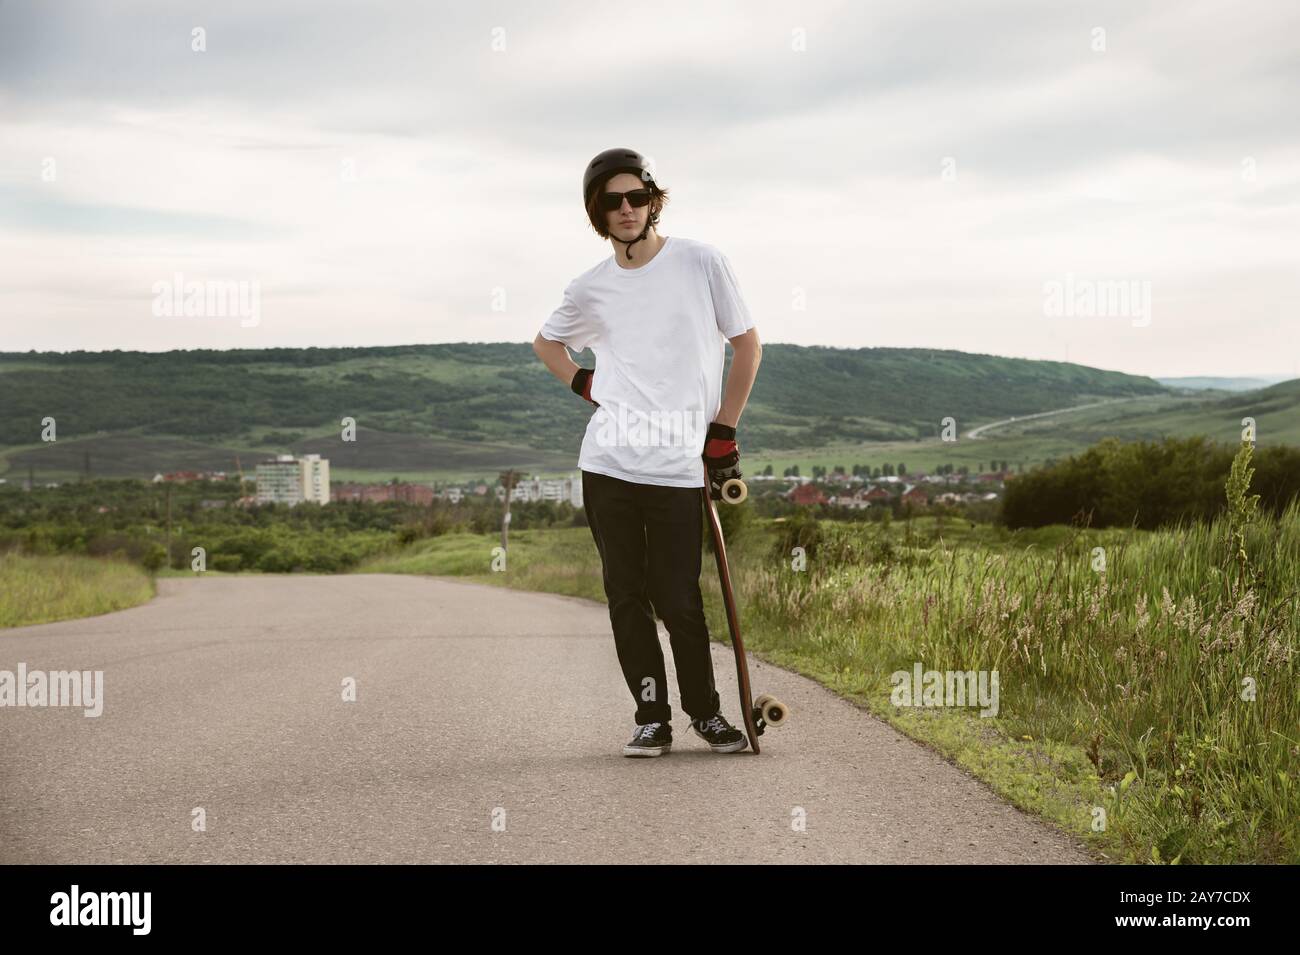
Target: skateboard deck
(767, 710)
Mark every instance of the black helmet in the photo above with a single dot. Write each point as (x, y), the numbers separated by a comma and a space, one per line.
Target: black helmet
(613, 161)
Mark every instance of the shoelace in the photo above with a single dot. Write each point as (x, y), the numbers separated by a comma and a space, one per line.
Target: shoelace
(714, 723)
(646, 731)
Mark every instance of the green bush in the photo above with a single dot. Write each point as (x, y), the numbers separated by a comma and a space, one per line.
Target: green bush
(154, 557)
(1144, 484)
(801, 529)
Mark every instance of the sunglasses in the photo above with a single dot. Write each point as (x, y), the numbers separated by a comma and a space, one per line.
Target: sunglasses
(637, 198)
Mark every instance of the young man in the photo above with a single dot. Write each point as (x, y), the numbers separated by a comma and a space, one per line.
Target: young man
(656, 314)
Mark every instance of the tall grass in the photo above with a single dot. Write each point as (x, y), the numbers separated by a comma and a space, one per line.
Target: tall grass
(1169, 657)
(41, 589)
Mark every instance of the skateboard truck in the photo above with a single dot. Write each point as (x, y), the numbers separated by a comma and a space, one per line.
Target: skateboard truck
(767, 710)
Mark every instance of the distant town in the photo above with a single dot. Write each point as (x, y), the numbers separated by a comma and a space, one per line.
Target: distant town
(293, 480)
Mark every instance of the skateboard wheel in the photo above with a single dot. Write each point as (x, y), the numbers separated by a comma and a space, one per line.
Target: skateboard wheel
(734, 491)
(771, 710)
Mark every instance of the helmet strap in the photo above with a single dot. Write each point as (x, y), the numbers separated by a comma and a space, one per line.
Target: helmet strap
(629, 245)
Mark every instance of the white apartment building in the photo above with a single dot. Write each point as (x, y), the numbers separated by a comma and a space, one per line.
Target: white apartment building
(549, 489)
(290, 480)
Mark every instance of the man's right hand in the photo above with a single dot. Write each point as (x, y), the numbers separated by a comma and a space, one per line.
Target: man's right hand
(581, 385)
(721, 457)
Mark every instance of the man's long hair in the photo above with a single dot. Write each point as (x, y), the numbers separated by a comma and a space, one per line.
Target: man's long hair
(658, 197)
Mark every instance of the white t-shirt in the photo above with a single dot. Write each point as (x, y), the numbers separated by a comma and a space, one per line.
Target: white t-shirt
(659, 335)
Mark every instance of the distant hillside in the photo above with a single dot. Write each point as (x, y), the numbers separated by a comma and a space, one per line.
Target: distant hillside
(501, 392)
(1217, 384)
(427, 398)
(808, 396)
(1275, 410)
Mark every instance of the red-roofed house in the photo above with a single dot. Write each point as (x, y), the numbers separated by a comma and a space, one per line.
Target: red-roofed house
(806, 494)
(915, 496)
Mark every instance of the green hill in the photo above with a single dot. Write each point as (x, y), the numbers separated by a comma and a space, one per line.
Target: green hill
(1275, 409)
(459, 407)
(1217, 384)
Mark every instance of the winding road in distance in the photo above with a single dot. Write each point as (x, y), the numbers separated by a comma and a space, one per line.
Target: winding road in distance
(979, 432)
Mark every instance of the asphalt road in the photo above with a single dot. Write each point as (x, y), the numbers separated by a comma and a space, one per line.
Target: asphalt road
(488, 727)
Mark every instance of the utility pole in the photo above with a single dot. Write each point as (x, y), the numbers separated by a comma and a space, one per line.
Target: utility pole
(169, 523)
(507, 478)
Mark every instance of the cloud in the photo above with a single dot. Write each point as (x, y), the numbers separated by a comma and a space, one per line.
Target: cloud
(33, 212)
(400, 165)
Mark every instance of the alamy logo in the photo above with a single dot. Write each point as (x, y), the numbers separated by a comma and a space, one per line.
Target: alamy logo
(84, 688)
(215, 298)
(1102, 298)
(630, 428)
(102, 908)
(946, 688)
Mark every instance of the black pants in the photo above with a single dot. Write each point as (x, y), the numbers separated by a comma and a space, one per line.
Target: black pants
(649, 541)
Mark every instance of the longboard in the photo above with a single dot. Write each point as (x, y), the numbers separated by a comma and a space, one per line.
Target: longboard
(766, 710)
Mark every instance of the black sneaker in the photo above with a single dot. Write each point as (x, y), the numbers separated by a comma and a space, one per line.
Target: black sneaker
(721, 736)
(651, 739)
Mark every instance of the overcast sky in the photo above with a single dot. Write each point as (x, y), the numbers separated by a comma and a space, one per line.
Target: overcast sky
(879, 174)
